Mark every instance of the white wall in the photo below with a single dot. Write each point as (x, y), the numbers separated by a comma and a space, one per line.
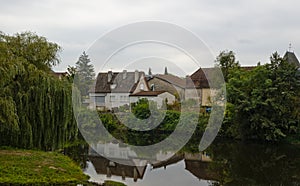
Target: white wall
(158, 99)
(111, 100)
(116, 100)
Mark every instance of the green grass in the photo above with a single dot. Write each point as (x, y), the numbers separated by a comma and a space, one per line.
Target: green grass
(38, 168)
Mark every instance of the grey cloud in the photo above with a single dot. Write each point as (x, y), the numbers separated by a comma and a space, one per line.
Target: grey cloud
(253, 29)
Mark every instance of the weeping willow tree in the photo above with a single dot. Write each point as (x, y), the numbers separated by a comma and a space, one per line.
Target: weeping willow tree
(36, 107)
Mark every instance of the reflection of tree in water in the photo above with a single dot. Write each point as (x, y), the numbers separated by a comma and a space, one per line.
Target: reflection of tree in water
(78, 153)
(240, 164)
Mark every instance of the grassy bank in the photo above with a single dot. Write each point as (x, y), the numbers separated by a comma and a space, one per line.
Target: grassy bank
(38, 168)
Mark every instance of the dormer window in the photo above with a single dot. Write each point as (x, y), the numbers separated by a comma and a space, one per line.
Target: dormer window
(152, 87)
(142, 86)
(113, 86)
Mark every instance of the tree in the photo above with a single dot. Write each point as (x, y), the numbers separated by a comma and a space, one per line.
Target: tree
(34, 49)
(141, 109)
(36, 107)
(85, 74)
(263, 102)
(71, 73)
(227, 62)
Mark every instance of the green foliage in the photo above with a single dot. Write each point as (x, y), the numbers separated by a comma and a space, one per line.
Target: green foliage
(263, 103)
(85, 74)
(71, 73)
(227, 62)
(36, 107)
(141, 109)
(32, 48)
(164, 128)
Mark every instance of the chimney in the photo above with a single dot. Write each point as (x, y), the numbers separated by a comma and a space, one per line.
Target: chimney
(166, 71)
(109, 76)
(124, 74)
(136, 76)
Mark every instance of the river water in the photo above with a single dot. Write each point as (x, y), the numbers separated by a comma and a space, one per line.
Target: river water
(223, 163)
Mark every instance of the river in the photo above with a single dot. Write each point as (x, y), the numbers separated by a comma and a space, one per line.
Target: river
(223, 163)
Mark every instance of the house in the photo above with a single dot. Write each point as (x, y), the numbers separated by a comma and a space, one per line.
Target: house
(59, 75)
(112, 89)
(115, 89)
(169, 83)
(197, 86)
(290, 57)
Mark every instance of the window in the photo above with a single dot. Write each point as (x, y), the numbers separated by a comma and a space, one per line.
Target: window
(100, 99)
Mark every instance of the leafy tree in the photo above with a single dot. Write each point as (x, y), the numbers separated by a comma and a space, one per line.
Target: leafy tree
(85, 74)
(141, 109)
(35, 106)
(227, 62)
(72, 72)
(32, 48)
(263, 102)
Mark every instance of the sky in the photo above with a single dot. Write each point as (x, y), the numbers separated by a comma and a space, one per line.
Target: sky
(252, 29)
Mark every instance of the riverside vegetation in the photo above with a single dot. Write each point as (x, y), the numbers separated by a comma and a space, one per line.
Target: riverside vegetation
(36, 113)
(36, 107)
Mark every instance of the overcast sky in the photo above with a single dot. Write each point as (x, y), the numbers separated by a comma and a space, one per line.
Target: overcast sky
(252, 29)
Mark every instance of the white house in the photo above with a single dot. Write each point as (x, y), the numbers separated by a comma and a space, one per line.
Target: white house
(112, 89)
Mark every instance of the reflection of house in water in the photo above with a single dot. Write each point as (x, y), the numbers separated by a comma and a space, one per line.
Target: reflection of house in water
(109, 168)
(174, 159)
(112, 150)
(122, 161)
(197, 164)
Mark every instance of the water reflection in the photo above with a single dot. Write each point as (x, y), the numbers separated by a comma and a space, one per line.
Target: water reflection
(222, 164)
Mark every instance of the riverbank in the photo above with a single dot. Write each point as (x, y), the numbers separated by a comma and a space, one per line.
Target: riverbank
(27, 167)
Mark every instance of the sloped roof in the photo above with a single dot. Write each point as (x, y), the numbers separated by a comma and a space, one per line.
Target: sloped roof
(174, 80)
(198, 79)
(291, 58)
(118, 83)
(148, 93)
(59, 74)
